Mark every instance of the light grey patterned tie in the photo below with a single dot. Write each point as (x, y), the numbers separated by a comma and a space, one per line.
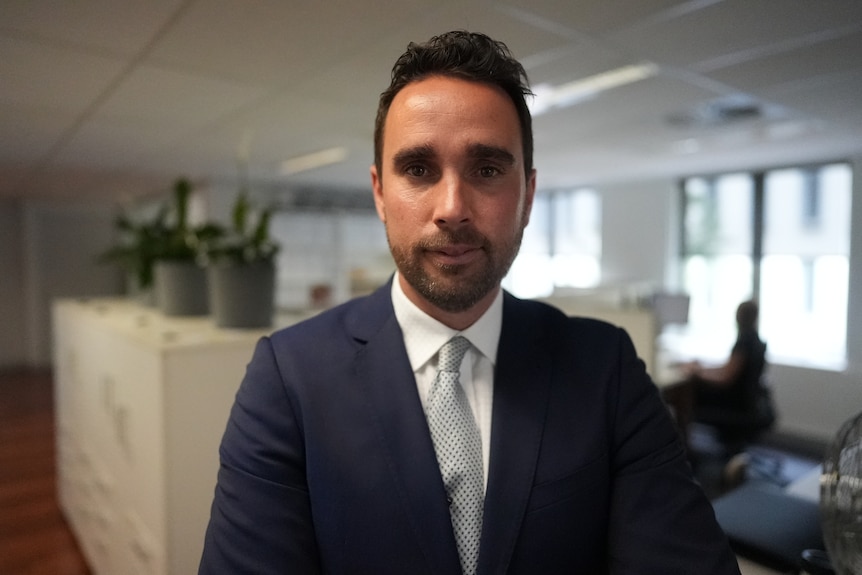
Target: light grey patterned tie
(459, 451)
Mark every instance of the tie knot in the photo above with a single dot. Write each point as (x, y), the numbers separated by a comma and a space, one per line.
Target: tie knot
(452, 353)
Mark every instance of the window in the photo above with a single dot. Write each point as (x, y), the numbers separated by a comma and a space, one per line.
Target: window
(782, 236)
(562, 246)
(577, 235)
(717, 262)
(346, 251)
(810, 197)
(805, 263)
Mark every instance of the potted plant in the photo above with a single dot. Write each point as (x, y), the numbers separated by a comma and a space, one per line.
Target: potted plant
(241, 270)
(139, 247)
(179, 276)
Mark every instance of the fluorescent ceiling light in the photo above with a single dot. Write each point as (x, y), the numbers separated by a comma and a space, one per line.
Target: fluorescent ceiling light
(686, 147)
(548, 97)
(313, 160)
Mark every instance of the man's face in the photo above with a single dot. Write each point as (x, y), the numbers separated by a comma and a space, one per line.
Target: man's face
(452, 191)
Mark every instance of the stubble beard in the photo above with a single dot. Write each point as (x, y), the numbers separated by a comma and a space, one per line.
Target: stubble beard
(455, 288)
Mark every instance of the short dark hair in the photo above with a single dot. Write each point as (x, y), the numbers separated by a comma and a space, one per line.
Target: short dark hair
(467, 55)
(746, 315)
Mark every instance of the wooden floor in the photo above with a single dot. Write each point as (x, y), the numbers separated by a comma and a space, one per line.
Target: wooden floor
(34, 536)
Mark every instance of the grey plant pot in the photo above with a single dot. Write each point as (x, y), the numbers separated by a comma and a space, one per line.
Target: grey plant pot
(242, 295)
(181, 288)
(145, 296)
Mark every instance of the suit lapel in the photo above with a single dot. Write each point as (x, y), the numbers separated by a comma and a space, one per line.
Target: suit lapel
(384, 371)
(521, 390)
(522, 380)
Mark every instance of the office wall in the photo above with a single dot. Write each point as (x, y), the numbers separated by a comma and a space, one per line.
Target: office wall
(60, 243)
(637, 229)
(13, 333)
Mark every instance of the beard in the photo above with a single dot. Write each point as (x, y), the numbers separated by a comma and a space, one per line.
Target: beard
(456, 288)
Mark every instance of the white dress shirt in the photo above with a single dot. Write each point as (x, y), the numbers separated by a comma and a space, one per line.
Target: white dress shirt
(423, 338)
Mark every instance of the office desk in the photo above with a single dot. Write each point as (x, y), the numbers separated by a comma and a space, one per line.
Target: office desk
(770, 525)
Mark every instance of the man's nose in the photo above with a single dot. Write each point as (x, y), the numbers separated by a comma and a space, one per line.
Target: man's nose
(452, 201)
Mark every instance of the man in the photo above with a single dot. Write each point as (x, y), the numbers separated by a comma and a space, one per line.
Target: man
(553, 452)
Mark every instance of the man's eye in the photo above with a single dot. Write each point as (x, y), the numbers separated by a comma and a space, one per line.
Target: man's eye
(416, 171)
(488, 171)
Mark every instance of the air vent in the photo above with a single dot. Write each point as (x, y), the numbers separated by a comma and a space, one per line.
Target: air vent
(726, 110)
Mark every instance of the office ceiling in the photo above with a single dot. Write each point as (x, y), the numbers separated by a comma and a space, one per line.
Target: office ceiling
(107, 99)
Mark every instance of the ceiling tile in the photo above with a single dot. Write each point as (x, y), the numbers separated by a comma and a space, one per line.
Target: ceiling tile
(822, 58)
(275, 43)
(114, 142)
(734, 27)
(574, 62)
(170, 96)
(592, 16)
(123, 28)
(43, 77)
(152, 109)
(29, 135)
(649, 102)
(82, 93)
(832, 97)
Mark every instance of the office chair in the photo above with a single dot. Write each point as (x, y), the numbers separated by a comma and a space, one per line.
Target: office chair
(736, 430)
(738, 427)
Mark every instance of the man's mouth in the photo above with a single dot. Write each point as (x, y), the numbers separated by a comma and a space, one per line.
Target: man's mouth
(458, 254)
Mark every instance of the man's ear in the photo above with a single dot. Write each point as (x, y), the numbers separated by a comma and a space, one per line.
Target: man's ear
(377, 188)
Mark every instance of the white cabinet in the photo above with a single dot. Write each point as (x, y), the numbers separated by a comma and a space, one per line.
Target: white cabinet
(141, 401)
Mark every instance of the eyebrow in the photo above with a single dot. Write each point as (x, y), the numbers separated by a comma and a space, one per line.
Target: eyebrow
(425, 152)
(487, 152)
(415, 154)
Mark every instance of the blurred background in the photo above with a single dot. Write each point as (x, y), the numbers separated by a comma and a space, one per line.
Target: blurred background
(707, 150)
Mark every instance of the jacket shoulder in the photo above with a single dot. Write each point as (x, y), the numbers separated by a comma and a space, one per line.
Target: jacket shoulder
(548, 318)
(355, 320)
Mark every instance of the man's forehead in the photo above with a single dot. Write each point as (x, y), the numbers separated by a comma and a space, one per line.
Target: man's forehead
(443, 84)
(477, 117)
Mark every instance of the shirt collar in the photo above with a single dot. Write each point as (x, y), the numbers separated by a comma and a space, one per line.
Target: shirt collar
(424, 335)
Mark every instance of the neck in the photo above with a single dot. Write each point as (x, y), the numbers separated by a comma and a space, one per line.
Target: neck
(458, 320)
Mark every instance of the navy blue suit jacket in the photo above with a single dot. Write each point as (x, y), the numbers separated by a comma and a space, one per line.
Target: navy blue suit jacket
(327, 465)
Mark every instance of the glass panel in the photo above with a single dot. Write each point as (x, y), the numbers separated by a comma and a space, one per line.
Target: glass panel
(346, 251)
(530, 275)
(562, 245)
(719, 215)
(577, 244)
(717, 265)
(580, 271)
(578, 223)
(537, 238)
(805, 271)
(308, 246)
(717, 285)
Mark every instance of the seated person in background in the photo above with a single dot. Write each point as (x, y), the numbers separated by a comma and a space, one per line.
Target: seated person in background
(731, 397)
